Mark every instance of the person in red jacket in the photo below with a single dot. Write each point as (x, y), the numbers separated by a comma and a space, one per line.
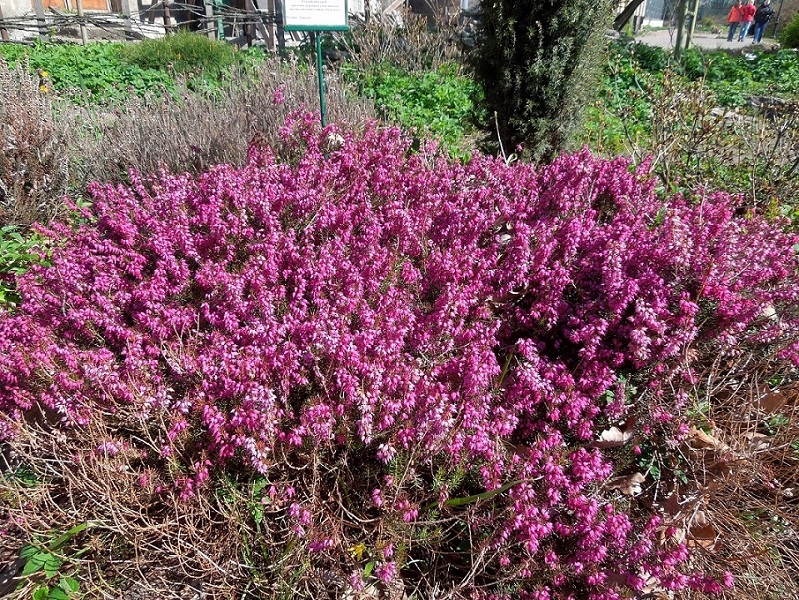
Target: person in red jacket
(747, 16)
(734, 19)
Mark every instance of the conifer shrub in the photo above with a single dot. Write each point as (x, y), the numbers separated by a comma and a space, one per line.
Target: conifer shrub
(345, 367)
(535, 61)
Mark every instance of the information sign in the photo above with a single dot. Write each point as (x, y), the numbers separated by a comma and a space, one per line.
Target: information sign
(315, 15)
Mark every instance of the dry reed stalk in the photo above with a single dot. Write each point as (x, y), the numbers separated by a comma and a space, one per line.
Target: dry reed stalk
(195, 131)
(34, 171)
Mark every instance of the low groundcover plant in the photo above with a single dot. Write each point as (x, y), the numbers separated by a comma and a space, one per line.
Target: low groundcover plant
(405, 362)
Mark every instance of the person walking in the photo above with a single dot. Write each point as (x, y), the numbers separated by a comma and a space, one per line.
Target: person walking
(747, 16)
(734, 19)
(762, 17)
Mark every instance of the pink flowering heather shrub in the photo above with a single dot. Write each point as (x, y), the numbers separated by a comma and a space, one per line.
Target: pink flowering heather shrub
(413, 357)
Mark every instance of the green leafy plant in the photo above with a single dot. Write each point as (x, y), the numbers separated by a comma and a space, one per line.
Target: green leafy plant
(17, 253)
(90, 74)
(622, 111)
(47, 559)
(65, 589)
(649, 58)
(103, 73)
(734, 78)
(439, 103)
(679, 116)
(776, 423)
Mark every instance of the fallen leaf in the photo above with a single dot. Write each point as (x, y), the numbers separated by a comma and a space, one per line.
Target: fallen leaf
(612, 438)
(700, 440)
(701, 532)
(629, 485)
(758, 442)
(672, 504)
(772, 402)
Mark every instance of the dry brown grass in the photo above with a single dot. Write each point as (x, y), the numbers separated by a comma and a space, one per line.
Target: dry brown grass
(739, 508)
(139, 544)
(143, 542)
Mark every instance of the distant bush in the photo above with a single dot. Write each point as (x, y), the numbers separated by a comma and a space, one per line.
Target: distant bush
(183, 53)
(789, 34)
(411, 46)
(194, 131)
(649, 58)
(350, 365)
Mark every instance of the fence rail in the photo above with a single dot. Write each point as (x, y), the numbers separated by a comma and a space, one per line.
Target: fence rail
(212, 18)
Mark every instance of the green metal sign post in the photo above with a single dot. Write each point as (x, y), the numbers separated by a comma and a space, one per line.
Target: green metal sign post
(220, 25)
(316, 16)
(322, 107)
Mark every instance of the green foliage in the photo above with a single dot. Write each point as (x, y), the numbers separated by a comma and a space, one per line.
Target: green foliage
(47, 559)
(16, 255)
(634, 75)
(649, 58)
(735, 77)
(622, 111)
(65, 589)
(777, 422)
(184, 53)
(789, 35)
(94, 73)
(678, 114)
(693, 64)
(537, 59)
(731, 77)
(103, 73)
(439, 103)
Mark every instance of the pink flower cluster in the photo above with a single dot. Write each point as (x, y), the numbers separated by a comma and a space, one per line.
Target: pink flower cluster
(362, 296)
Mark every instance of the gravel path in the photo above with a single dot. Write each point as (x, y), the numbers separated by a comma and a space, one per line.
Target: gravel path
(662, 38)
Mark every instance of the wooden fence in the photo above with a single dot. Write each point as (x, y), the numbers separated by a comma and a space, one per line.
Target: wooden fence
(243, 22)
(256, 20)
